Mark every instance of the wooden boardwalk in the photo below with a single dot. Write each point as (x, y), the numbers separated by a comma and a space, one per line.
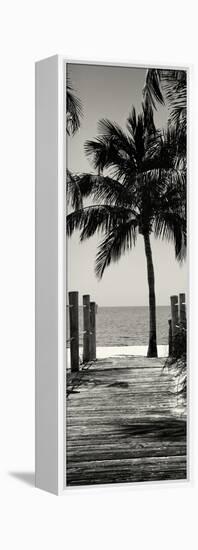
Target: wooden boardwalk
(124, 423)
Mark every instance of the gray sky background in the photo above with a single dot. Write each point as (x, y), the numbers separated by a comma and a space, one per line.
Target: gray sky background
(110, 92)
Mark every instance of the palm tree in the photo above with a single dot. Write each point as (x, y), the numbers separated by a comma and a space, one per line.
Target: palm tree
(142, 191)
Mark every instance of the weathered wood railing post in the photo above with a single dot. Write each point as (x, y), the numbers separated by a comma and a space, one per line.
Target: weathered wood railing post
(175, 318)
(86, 328)
(182, 309)
(170, 338)
(74, 330)
(92, 331)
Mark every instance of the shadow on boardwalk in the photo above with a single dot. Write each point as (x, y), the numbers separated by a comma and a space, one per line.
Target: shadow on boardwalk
(124, 423)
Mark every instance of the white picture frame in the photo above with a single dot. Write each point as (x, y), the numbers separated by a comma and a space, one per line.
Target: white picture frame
(50, 307)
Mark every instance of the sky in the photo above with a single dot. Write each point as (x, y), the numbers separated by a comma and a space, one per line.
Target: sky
(110, 92)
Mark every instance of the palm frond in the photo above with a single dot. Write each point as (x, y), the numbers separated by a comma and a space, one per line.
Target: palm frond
(178, 110)
(116, 242)
(115, 134)
(136, 128)
(114, 154)
(98, 151)
(132, 121)
(147, 109)
(74, 109)
(166, 187)
(165, 149)
(74, 195)
(172, 226)
(94, 219)
(171, 84)
(106, 190)
(173, 191)
(152, 90)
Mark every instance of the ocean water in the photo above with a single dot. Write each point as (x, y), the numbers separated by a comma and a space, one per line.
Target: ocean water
(127, 326)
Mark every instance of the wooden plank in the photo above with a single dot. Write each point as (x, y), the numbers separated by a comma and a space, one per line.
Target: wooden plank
(125, 423)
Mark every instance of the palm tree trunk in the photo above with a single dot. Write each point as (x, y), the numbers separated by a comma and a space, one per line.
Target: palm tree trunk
(152, 348)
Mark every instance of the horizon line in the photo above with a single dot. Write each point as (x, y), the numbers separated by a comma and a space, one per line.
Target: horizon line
(147, 305)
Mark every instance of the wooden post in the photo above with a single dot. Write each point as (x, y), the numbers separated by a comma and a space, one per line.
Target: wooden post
(92, 331)
(74, 331)
(175, 318)
(182, 309)
(170, 338)
(86, 328)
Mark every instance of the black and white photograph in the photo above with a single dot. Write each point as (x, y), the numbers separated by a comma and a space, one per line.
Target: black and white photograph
(99, 270)
(127, 299)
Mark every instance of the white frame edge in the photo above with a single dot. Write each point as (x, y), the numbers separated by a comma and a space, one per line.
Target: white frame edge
(50, 353)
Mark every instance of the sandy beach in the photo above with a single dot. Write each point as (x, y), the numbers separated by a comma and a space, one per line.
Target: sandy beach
(116, 351)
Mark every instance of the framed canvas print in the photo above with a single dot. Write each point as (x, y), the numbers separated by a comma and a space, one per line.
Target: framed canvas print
(111, 274)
